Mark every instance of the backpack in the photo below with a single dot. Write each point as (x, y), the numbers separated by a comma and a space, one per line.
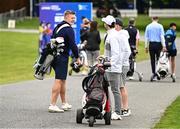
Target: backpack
(169, 40)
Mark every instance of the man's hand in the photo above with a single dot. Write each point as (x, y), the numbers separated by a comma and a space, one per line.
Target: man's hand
(164, 49)
(78, 61)
(146, 50)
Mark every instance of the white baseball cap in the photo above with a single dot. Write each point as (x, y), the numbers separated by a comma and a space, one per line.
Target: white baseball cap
(109, 19)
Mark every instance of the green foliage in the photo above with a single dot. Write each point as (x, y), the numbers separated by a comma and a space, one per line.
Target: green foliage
(171, 117)
(18, 52)
(143, 20)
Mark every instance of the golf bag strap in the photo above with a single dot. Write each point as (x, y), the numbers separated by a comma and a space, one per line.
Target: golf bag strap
(64, 25)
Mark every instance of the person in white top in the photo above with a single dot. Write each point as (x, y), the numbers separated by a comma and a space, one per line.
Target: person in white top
(114, 52)
(125, 111)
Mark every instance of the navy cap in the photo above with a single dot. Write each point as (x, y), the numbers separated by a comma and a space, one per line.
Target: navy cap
(119, 22)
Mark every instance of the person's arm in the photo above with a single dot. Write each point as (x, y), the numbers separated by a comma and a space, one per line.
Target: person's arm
(126, 49)
(163, 39)
(137, 40)
(72, 44)
(146, 39)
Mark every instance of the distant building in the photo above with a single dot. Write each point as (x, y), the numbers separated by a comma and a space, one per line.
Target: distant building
(7, 5)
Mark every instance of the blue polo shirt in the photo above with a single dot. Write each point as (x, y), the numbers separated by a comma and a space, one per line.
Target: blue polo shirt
(154, 31)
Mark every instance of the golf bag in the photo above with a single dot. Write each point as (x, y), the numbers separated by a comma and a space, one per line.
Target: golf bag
(42, 65)
(95, 101)
(163, 67)
(132, 64)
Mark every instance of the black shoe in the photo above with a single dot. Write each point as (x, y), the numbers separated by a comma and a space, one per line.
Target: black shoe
(173, 77)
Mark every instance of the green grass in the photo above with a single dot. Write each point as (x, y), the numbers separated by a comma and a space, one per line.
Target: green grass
(28, 24)
(18, 52)
(171, 117)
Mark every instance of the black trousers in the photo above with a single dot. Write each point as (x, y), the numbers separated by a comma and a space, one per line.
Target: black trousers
(154, 52)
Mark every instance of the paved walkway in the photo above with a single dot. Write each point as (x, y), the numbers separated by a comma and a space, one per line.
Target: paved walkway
(24, 105)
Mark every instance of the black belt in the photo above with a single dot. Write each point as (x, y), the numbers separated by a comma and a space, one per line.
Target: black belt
(154, 42)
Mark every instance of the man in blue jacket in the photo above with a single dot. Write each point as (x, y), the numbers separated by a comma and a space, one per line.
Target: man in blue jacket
(65, 33)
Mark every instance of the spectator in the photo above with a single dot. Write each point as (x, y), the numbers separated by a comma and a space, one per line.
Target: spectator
(170, 37)
(134, 43)
(113, 51)
(93, 43)
(47, 32)
(125, 111)
(41, 30)
(84, 28)
(154, 36)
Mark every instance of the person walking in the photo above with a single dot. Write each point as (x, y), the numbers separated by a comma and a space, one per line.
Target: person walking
(125, 111)
(134, 43)
(113, 51)
(60, 64)
(93, 43)
(154, 36)
(170, 37)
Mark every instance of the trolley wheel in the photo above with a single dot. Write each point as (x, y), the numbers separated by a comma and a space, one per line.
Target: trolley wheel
(107, 118)
(173, 80)
(79, 116)
(70, 72)
(91, 121)
(151, 79)
(140, 79)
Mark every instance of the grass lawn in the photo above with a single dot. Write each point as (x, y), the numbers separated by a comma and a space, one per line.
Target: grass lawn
(28, 24)
(171, 117)
(18, 52)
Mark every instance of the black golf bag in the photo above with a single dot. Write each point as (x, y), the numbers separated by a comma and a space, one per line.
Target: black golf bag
(132, 61)
(95, 102)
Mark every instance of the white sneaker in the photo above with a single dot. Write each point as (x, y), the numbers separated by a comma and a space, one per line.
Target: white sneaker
(55, 109)
(66, 106)
(115, 116)
(131, 78)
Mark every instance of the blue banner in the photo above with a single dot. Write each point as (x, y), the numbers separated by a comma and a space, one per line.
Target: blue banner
(53, 13)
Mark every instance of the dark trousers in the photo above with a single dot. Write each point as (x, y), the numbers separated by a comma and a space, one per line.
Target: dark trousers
(154, 52)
